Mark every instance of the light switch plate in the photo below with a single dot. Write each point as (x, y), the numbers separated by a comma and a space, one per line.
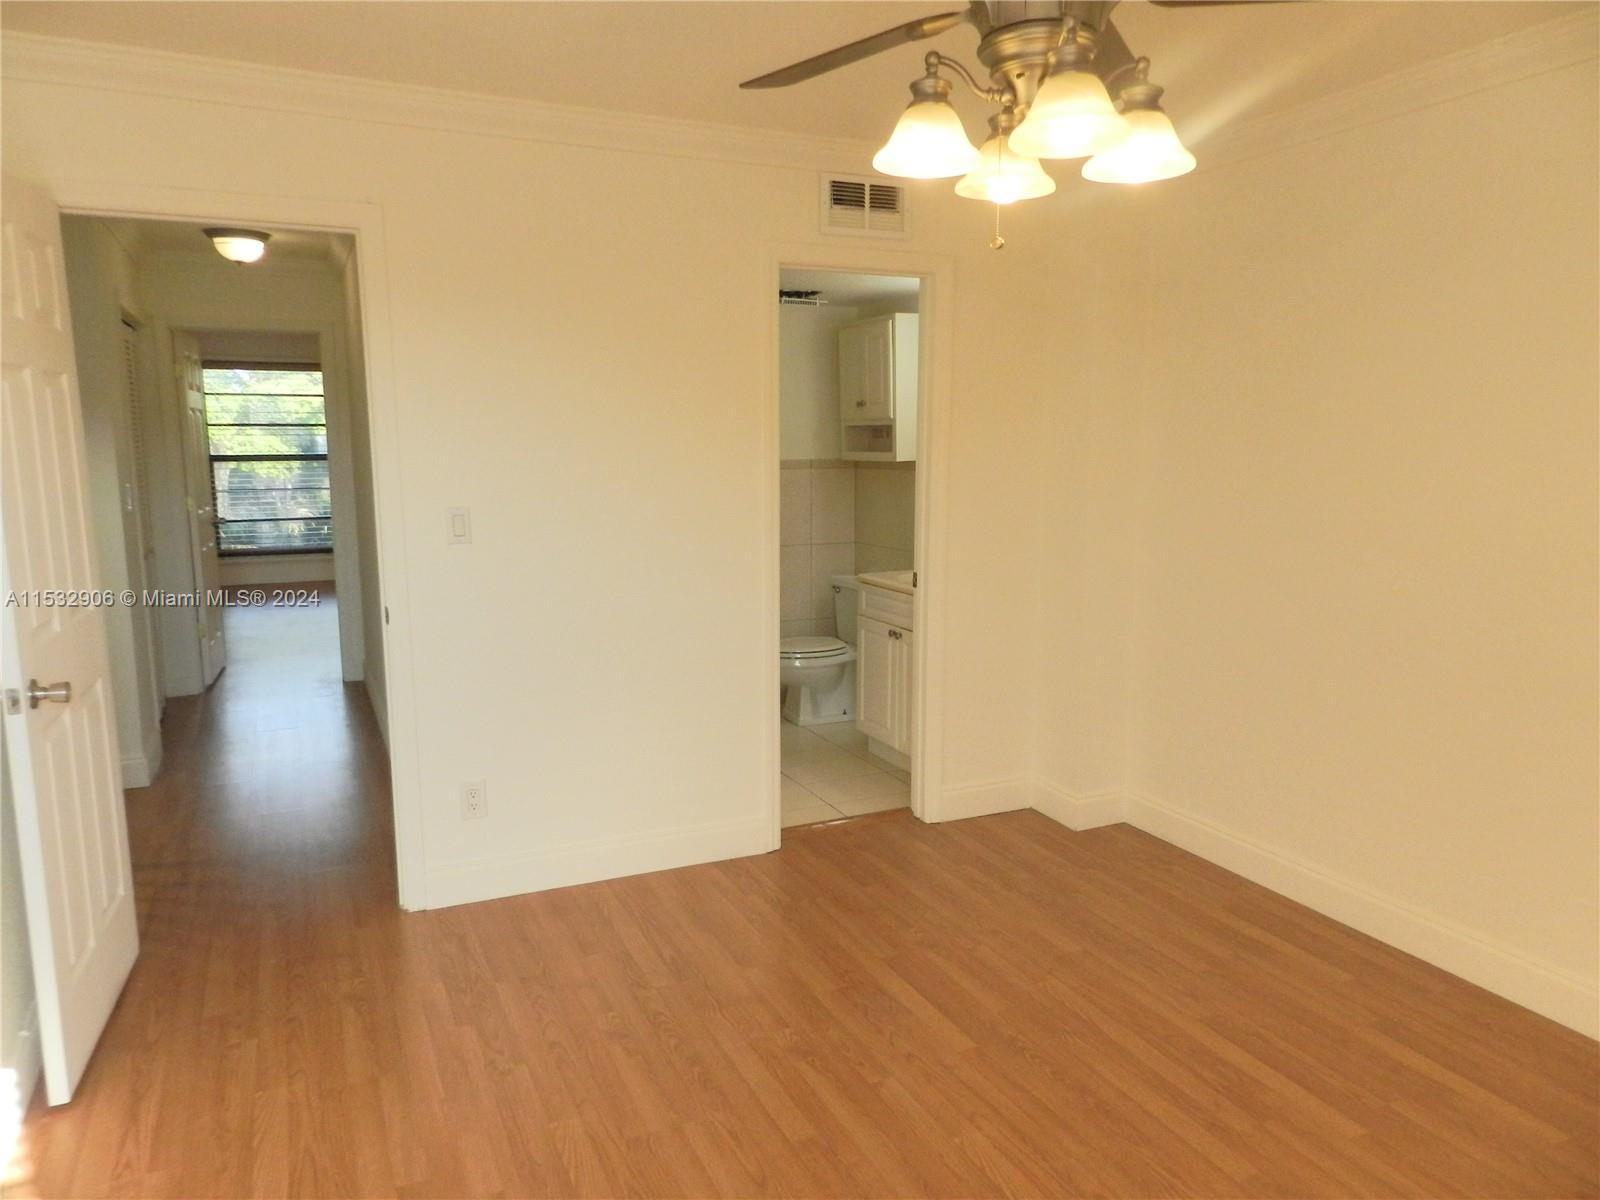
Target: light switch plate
(459, 527)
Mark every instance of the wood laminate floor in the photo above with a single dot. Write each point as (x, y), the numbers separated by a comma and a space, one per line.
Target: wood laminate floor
(991, 1007)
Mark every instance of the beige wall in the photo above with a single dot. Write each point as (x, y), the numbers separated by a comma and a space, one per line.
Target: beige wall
(612, 454)
(1322, 538)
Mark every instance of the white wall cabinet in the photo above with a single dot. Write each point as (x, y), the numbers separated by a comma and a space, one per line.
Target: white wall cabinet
(884, 683)
(878, 384)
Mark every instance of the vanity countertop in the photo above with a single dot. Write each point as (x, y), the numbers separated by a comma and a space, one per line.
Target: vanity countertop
(894, 581)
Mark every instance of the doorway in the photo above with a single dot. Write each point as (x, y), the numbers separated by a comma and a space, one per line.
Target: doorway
(850, 395)
(241, 447)
(201, 418)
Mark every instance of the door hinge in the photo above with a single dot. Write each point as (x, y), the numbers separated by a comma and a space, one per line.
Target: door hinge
(385, 614)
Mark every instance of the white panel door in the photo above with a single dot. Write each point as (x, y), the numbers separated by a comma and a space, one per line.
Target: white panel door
(72, 832)
(200, 500)
(875, 665)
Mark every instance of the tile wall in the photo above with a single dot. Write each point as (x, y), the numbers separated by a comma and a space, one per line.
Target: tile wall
(839, 518)
(886, 505)
(817, 531)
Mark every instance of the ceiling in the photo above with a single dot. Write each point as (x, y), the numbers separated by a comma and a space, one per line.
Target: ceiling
(840, 287)
(181, 237)
(685, 59)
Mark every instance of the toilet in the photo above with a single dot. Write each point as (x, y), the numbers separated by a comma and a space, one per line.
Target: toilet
(819, 673)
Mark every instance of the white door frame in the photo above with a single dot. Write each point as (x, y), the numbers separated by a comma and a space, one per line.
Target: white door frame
(937, 326)
(365, 223)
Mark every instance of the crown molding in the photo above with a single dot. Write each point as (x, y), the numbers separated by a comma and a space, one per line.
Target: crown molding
(99, 66)
(1549, 46)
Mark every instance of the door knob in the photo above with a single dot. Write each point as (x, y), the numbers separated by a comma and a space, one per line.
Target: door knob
(58, 693)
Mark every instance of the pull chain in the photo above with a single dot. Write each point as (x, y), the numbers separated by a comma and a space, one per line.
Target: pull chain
(997, 242)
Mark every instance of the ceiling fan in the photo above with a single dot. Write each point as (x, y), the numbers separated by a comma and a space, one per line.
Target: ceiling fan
(1052, 66)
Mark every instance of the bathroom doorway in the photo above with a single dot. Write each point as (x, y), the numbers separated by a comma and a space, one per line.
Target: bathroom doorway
(850, 400)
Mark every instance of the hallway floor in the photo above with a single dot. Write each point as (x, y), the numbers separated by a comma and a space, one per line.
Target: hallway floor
(990, 1007)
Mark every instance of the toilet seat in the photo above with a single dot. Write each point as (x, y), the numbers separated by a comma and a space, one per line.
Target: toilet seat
(810, 649)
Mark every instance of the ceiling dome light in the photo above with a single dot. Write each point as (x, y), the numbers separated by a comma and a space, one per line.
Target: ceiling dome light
(929, 142)
(1001, 176)
(239, 245)
(1152, 149)
(1072, 116)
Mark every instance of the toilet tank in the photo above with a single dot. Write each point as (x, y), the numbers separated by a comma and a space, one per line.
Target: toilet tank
(846, 592)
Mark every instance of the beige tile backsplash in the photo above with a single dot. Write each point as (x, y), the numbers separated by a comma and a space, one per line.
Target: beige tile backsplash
(837, 519)
(816, 524)
(886, 505)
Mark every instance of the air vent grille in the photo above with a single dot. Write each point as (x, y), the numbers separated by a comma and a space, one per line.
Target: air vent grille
(867, 207)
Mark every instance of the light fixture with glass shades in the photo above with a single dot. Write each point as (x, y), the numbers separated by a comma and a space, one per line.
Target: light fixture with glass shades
(929, 141)
(1065, 83)
(239, 245)
(1150, 150)
(1003, 176)
(1072, 115)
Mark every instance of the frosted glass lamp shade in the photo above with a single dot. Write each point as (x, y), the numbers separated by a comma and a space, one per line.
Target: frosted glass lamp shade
(1003, 177)
(1151, 151)
(1071, 117)
(929, 142)
(239, 245)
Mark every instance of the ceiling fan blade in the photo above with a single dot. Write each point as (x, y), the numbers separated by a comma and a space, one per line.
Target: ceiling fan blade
(841, 56)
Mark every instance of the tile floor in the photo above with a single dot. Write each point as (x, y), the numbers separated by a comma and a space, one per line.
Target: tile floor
(828, 774)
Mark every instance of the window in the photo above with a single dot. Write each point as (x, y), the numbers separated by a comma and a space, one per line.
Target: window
(268, 429)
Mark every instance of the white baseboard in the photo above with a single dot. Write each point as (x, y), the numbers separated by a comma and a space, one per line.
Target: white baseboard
(379, 700)
(984, 799)
(23, 1057)
(136, 771)
(140, 769)
(467, 882)
(1079, 812)
(1489, 964)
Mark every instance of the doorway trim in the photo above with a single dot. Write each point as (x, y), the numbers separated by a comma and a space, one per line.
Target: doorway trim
(364, 222)
(936, 304)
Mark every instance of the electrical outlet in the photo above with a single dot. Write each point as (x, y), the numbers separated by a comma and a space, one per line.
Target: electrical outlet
(474, 800)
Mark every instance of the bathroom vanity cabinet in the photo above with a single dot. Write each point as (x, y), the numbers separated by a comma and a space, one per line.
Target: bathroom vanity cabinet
(884, 666)
(878, 361)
